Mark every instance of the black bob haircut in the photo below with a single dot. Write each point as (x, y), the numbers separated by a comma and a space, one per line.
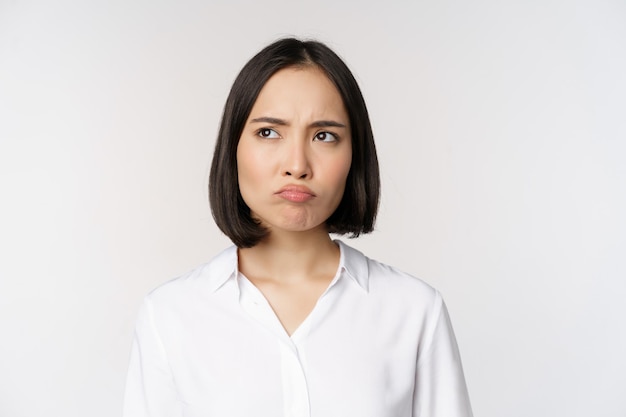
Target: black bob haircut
(356, 212)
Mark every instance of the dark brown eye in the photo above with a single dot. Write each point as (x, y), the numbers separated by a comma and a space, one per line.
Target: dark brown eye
(326, 137)
(267, 133)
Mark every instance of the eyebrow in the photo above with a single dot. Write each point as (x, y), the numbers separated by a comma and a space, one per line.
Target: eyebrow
(281, 122)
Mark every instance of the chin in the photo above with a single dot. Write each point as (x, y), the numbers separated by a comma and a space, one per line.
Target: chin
(298, 226)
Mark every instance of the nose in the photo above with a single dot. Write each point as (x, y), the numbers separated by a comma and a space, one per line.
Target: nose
(296, 160)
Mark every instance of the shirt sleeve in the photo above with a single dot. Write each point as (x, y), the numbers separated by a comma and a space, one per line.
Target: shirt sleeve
(440, 389)
(150, 389)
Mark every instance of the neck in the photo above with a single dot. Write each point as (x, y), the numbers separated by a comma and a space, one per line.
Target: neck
(290, 256)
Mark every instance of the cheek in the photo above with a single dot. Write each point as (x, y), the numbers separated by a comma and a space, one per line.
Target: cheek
(338, 172)
(343, 167)
(246, 179)
(248, 165)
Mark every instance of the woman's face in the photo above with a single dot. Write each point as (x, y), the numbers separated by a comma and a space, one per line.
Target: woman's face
(295, 151)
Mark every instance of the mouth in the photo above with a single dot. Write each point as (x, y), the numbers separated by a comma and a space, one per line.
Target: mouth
(296, 193)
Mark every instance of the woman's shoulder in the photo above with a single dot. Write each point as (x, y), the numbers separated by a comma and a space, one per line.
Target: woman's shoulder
(203, 279)
(382, 278)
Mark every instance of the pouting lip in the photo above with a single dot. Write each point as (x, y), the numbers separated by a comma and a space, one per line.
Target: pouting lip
(296, 189)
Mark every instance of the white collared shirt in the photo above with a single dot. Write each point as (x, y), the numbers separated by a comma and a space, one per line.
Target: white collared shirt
(378, 343)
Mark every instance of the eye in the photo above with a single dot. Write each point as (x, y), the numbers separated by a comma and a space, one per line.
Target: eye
(267, 133)
(325, 137)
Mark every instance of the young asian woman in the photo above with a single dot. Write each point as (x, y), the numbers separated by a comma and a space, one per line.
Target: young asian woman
(288, 321)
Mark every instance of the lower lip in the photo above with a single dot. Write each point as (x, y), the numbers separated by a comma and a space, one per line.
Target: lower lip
(295, 196)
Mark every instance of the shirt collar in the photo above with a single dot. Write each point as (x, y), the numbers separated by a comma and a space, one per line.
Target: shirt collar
(354, 263)
(224, 266)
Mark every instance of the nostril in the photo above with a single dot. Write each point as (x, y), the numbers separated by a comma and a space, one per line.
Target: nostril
(300, 176)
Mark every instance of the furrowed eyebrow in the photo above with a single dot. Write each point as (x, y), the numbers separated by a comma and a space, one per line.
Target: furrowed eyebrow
(271, 120)
(281, 122)
(327, 123)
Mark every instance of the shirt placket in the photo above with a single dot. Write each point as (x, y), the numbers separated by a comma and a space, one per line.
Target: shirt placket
(295, 387)
(294, 384)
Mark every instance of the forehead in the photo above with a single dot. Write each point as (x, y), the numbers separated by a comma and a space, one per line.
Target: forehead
(301, 93)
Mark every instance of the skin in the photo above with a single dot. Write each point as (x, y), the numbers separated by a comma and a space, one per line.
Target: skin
(293, 159)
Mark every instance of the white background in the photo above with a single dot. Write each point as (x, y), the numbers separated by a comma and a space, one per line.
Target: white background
(501, 131)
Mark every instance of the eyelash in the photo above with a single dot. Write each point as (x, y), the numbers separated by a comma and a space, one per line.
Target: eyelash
(260, 133)
(333, 135)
